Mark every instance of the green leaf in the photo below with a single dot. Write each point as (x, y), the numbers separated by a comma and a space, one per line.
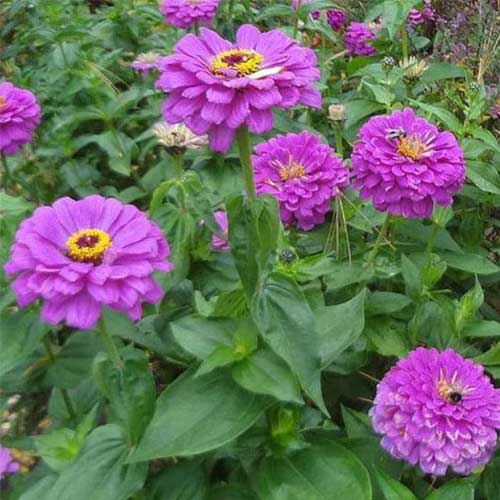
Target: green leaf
(284, 11)
(412, 278)
(131, 391)
(343, 274)
(99, 472)
(491, 357)
(457, 489)
(219, 357)
(264, 372)
(198, 414)
(481, 329)
(357, 424)
(469, 262)
(385, 303)
(288, 325)
(448, 119)
(468, 306)
(484, 176)
(323, 471)
(340, 326)
(392, 489)
(387, 337)
(442, 71)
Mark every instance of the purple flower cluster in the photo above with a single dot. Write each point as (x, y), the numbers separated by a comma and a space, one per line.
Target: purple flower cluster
(417, 16)
(302, 174)
(80, 255)
(356, 37)
(19, 116)
(437, 410)
(405, 164)
(187, 13)
(7, 464)
(336, 19)
(219, 241)
(215, 86)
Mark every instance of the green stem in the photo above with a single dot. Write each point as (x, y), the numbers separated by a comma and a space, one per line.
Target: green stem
(243, 139)
(404, 41)
(432, 239)
(297, 20)
(178, 165)
(8, 176)
(113, 353)
(339, 145)
(196, 28)
(64, 392)
(380, 238)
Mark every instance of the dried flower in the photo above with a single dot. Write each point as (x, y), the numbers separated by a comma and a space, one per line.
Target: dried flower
(336, 112)
(414, 68)
(177, 138)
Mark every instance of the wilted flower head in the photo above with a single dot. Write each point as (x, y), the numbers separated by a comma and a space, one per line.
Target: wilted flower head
(19, 116)
(336, 112)
(7, 463)
(187, 13)
(405, 164)
(437, 410)
(417, 16)
(302, 174)
(356, 36)
(219, 241)
(77, 256)
(177, 138)
(145, 62)
(215, 86)
(335, 18)
(414, 68)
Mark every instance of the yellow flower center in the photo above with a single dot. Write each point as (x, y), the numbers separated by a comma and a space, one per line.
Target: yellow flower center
(411, 148)
(291, 171)
(88, 245)
(3, 102)
(243, 61)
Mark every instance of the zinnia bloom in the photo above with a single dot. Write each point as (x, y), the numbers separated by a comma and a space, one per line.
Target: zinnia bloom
(7, 464)
(405, 164)
(302, 174)
(220, 241)
(215, 86)
(19, 116)
(437, 410)
(77, 256)
(416, 16)
(186, 13)
(145, 62)
(335, 18)
(356, 36)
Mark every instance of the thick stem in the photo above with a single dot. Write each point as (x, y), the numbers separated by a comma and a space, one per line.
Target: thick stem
(381, 236)
(404, 41)
(243, 139)
(113, 353)
(297, 20)
(7, 174)
(339, 145)
(178, 164)
(64, 392)
(432, 239)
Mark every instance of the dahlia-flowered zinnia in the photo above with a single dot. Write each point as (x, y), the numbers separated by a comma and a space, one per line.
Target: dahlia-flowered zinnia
(145, 62)
(356, 37)
(77, 256)
(335, 18)
(19, 116)
(405, 165)
(302, 174)
(219, 242)
(186, 13)
(416, 16)
(437, 410)
(215, 86)
(7, 463)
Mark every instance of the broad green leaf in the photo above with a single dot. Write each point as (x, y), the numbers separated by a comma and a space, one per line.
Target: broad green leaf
(387, 337)
(385, 303)
(392, 489)
(357, 424)
(469, 262)
(491, 477)
(457, 489)
(484, 176)
(99, 471)
(491, 357)
(442, 71)
(323, 471)
(274, 11)
(288, 325)
(481, 329)
(264, 372)
(412, 278)
(447, 118)
(468, 306)
(343, 274)
(340, 326)
(198, 414)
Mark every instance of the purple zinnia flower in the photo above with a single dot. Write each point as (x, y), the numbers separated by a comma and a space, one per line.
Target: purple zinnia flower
(302, 174)
(215, 86)
(80, 255)
(405, 164)
(416, 16)
(356, 36)
(145, 62)
(438, 410)
(7, 464)
(19, 116)
(219, 241)
(335, 18)
(186, 13)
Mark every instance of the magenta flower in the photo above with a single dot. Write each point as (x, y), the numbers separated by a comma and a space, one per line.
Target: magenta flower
(335, 18)
(439, 411)
(215, 86)
(416, 16)
(146, 62)
(187, 13)
(405, 164)
(77, 256)
(302, 174)
(356, 36)
(219, 241)
(7, 464)
(19, 116)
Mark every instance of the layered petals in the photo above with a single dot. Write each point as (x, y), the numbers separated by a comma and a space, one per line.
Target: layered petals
(186, 13)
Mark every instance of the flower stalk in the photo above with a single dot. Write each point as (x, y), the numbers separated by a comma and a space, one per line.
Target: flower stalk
(243, 140)
(113, 353)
